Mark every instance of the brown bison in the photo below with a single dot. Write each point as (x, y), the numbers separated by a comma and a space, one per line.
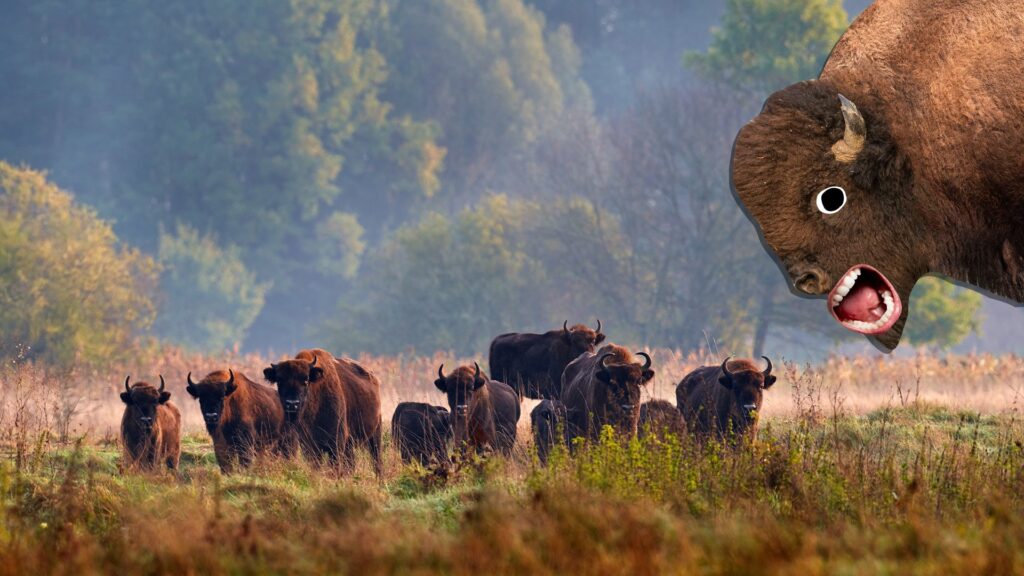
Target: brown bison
(725, 400)
(902, 159)
(422, 432)
(332, 405)
(484, 412)
(242, 417)
(533, 363)
(548, 422)
(604, 389)
(150, 427)
(660, 418)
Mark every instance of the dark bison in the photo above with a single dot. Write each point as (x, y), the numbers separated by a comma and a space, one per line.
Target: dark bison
(484, 412)
(242, 417)
(660, 418)
(604, 388)
(902, 159)
(150, 427)
(332, 404)
(548, 422)
(725, 400)
(421, 432)
(533, 363)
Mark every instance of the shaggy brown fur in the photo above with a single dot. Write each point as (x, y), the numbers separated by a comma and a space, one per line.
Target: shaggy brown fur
(242, 417)
(533, 363)
(422, 432)
(548, 422)
(660, 418)
(939, 185)
(150, 427)
(362, 398)
(727, 407)
(595, 395)
(484, 412)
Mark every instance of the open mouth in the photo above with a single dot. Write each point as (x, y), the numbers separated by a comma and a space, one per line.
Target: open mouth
(865, 301)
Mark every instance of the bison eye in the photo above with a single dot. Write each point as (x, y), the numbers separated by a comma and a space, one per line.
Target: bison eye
(831, 200)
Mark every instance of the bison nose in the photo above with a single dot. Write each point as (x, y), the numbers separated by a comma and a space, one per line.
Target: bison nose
(461, 409)
(146, 419)
(291, 405)
(627, 407)
(211, 417)
(750, 410)
(810, 279)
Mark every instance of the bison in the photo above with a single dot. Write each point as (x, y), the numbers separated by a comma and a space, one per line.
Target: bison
(242, 417)
(422, 432)
(332, 404)
(533, 363)
(548, 422)
(604, 389)
(659, 418)
(484, 412)
(903, 158)
(724, 401)
(150, 427)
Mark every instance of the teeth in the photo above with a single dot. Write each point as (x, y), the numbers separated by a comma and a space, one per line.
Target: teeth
(845, 285)
(866, 326)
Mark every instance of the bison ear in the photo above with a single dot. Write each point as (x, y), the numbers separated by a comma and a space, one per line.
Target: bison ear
(229, 388)
(479, 382)
(164, 397)
(726, 381)
(270, 373)
(599, 339)
(441, 385)
(647, 376)
(126, 398)
(315, 373)
(191, 391)
(769, 381)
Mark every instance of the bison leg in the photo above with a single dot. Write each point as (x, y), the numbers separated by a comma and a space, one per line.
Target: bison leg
(348, 459)
(373, 443)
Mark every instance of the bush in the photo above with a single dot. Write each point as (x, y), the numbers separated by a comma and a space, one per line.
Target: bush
(68, 289)
(210, 298)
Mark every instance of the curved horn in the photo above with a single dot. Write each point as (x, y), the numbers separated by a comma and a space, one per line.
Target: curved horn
(598, 325)
(161, 382)
(126, 379)
(231, 373)
(565, 326)
(477, 375)
(647, 356)
(440, 371)
(313, 363)
(846, 150)
(768, 370)
(605, 357)
(725, 368)
(189, 379)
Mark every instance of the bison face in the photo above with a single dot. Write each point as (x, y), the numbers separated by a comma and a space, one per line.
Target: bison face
(830, 193)
(460, 386)
(142, 400)
(747, 388)
(622, 384)
(580, 338)
(211, 392)
(293, 378)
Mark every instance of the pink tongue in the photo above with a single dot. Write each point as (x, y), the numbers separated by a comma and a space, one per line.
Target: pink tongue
(862, 303)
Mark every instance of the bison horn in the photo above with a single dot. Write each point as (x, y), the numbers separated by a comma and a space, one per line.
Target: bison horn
(440, 371)
(126, 388)
(477, 375)
(605, 357)
(313, 363)
(768, 370)
(565, 326)
(725, 368)
(598, 325)
(231, 380)
(846, 150)
(161, 382)
(647, 357)
(189, 379)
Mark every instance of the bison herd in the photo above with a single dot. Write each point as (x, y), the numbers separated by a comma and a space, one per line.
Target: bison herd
(327, 407)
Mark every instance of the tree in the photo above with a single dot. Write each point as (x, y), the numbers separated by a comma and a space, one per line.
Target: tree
(68, 289)
(943, 314)
(210, 298)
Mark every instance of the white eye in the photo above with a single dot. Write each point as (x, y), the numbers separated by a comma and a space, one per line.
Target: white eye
(831, 200)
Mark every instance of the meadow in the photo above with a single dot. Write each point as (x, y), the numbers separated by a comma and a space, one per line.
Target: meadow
(862, 465)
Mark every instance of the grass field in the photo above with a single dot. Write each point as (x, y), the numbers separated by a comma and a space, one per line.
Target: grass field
(918, 479)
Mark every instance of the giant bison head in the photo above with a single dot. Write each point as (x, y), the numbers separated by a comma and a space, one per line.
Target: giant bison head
(460, 387)
(621, 383)
(211, 392)
(830, 192)
(293, 378)
(580, 338)
(142, 400)
(747, 385)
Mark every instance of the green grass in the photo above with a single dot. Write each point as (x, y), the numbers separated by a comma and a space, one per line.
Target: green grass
(921, 489)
